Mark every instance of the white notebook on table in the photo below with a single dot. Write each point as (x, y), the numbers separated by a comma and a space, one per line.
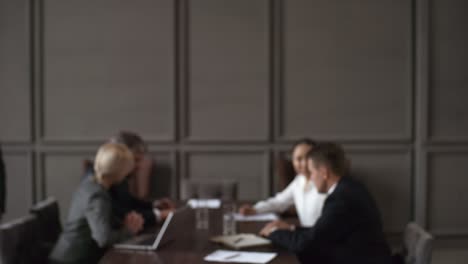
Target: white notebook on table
(240, 241)
(240, 256)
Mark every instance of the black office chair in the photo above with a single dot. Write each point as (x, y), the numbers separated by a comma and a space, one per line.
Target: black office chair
(18, 241)
(286, 172)
(49, 226)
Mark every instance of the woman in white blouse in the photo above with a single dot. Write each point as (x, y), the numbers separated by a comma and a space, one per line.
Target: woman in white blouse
(300, 192)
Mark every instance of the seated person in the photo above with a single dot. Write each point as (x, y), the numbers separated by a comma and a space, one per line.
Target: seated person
(301, 192)
(88, 230)
(123, 201)
(349, 229)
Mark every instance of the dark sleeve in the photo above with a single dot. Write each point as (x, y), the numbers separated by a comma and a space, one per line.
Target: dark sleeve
(99, 216)
(89, 171)
(335, 222)
(124, 202)
(121, 193)
(2, 184)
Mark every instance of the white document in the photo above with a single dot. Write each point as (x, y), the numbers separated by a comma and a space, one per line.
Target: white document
(255, 218)
(204, 203)
(240, 256)
(241, 241)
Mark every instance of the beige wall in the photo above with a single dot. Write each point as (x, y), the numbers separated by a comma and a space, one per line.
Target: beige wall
(220, 89)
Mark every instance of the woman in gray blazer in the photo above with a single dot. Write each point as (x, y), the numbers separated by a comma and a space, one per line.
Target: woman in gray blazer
(88, 230)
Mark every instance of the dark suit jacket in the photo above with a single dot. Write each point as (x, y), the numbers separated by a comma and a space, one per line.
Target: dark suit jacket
(88, 231)
(348, 231)
(124, 202)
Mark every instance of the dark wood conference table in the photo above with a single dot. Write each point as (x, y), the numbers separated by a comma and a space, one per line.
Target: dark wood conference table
(190, 245)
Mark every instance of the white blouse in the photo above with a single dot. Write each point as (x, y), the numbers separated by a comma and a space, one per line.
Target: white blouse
(300, 192)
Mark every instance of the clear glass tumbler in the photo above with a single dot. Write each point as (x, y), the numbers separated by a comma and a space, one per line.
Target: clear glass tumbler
(202, 214)
(229, 222)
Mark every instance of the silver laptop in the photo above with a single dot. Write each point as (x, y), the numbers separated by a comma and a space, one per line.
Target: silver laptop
(147, 242)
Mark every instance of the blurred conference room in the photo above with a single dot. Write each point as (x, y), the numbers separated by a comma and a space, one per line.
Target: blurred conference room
(210, 101)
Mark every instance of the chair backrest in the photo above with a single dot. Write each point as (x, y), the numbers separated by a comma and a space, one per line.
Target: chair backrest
(417, 244)
(88, 166)
(224, 190)
(48, 218)
(286, 172)
(18, 241)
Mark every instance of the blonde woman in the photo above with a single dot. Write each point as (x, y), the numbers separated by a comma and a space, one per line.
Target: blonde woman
(88, 230)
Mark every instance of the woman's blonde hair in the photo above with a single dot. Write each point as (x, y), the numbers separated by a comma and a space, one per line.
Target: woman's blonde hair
(111, 159)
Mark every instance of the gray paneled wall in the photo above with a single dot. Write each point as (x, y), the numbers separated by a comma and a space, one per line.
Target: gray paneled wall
(347, 66)
(15, 91)
(228, 76)
(111, 60)
(387, 173)
(447, 191)
(19, 182)
(220, 89)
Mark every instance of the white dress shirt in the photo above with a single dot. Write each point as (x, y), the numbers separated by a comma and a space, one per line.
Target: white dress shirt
(300, 192)
(332, 189)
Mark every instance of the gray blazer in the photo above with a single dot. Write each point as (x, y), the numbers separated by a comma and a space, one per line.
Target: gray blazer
(88, 230)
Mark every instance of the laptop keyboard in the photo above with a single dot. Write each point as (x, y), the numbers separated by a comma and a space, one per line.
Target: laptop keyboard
(145, 240)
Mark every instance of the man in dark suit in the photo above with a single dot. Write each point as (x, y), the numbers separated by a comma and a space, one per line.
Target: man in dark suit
(350, 227)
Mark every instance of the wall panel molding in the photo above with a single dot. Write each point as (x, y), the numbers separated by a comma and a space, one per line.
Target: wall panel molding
(227, 99)
(446, 190)
(214, 84)
(388, 175)
(15, 90)
(129, 65)
(421, 82)
(325, 75)
(447, 63)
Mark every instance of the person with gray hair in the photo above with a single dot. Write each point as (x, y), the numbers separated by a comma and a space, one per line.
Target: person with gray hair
(123, 199)
(89, 231)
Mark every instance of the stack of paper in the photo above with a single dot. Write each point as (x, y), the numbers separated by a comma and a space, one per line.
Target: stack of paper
(240, 256)
(205, 203)
(257, 217)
